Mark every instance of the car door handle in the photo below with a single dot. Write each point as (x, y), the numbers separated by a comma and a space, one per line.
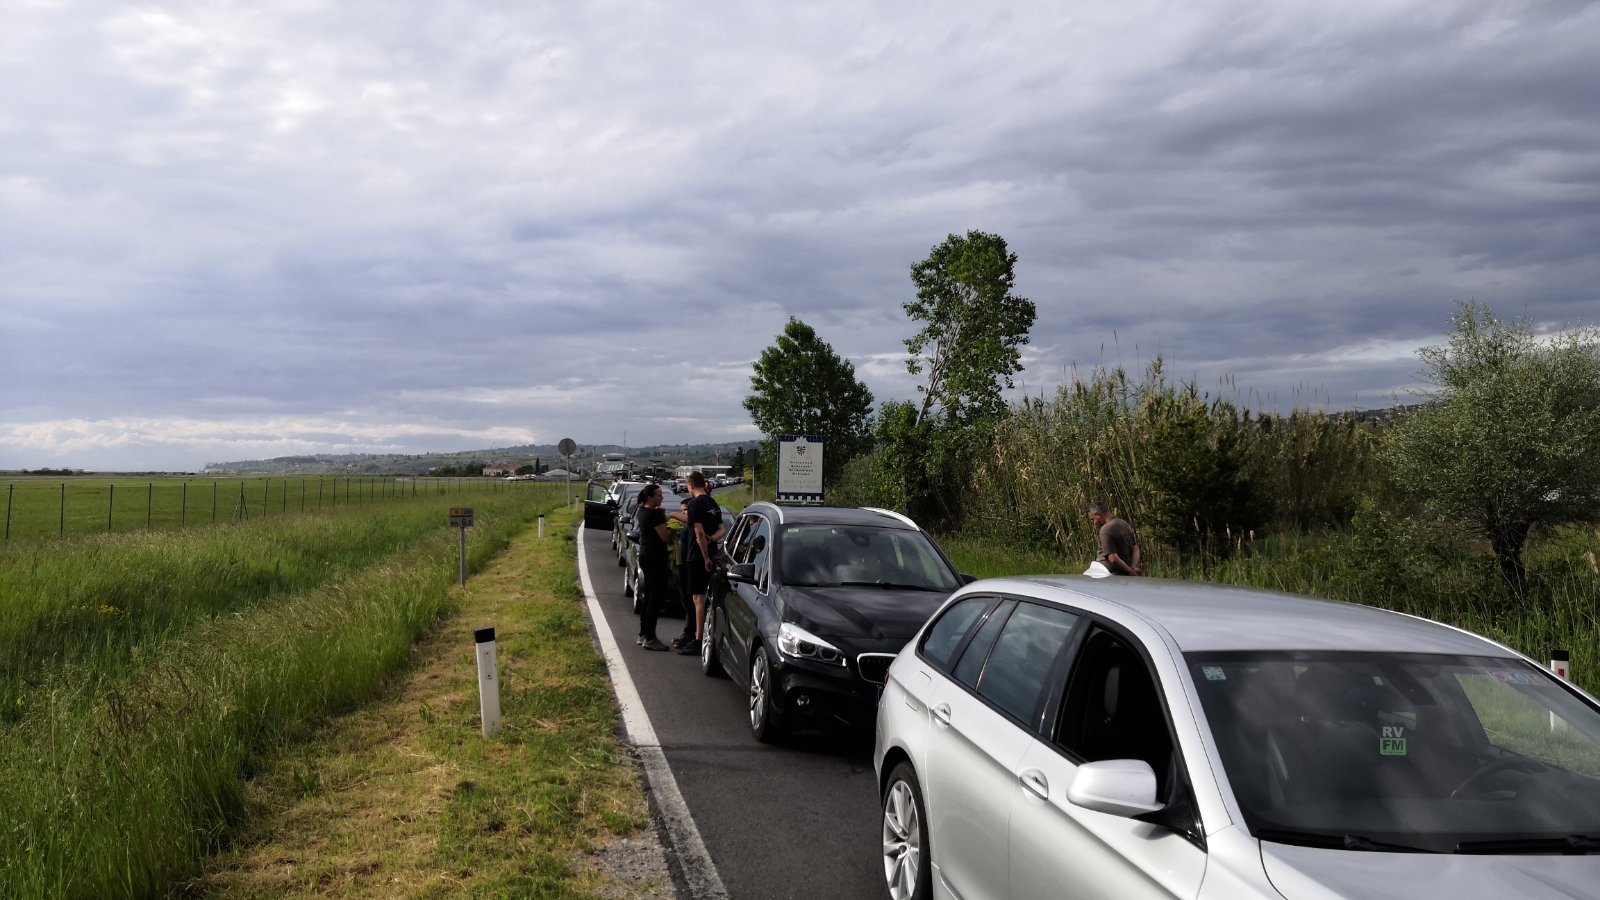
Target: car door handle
(941, 714)
(1034, 782)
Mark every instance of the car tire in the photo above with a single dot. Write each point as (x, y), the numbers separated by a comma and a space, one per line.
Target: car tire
(630, 587)
(907, 873)
(764, 722)
(710, 663)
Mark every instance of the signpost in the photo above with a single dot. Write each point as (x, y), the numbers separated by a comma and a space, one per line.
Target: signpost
(567, 448)
(461, 517)
(800, 468)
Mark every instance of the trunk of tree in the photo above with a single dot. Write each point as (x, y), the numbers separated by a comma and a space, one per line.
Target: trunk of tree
(1507, 541)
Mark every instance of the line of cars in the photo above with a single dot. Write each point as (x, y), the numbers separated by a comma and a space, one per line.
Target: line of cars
(1069, 736)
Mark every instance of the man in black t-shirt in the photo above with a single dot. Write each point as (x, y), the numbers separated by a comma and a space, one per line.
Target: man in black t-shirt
(653, 537)
(703, 520)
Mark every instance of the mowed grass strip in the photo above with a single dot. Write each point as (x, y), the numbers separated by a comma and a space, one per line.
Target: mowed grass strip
(404, 797)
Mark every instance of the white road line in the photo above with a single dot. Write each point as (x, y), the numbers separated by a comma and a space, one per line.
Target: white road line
(698, 870)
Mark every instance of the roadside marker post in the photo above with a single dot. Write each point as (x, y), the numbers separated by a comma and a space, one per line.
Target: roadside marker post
(461, 517)
(488, 684)
(541, 527)
(1560, 661)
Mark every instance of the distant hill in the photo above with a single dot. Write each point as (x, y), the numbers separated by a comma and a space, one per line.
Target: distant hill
(420, 464)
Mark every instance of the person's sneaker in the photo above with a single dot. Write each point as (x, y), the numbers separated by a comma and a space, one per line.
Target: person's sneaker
(678, 641)
(639, 641)
(689, 648)
(653, 644)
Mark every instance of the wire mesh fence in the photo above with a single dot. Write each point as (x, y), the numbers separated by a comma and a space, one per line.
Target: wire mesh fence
(37, 508)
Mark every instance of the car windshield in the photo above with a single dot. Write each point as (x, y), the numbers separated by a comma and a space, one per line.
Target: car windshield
(1365, 751)
(834, 555)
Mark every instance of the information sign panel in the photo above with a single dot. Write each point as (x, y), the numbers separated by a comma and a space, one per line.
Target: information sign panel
(460, 517)
(800, 468)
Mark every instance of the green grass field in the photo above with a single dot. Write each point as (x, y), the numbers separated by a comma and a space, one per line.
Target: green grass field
(39, 506)
(143, 673)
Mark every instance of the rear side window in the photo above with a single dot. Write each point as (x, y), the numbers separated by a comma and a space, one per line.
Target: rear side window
(944, 638)
(1023, 656)
(970, 667)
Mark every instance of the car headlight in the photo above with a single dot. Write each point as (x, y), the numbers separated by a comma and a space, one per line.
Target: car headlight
(801, 644)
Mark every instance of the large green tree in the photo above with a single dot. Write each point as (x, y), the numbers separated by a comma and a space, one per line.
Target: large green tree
(1510, 433)
(973, 327)
(968, 346)
(801, 386)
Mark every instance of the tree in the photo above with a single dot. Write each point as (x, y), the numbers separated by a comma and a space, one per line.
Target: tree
(1509, 437)
(737, 463)
(801, 386)
(972, 326)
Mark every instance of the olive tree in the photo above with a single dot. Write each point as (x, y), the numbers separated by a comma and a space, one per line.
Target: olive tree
(1509, 434)
(801, 386)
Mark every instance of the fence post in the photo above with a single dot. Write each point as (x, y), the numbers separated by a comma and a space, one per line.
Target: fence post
(319, 492)
(9, 489)
(266, 494)
(214, 502)
(111, 498)
(183, 514)
(302, 494)
(61, 528)
(149, 501)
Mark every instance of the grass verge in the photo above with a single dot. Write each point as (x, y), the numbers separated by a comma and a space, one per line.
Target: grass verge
(404, 797)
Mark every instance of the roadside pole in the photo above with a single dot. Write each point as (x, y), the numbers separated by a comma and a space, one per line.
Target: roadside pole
(488, 684)
(461, 517)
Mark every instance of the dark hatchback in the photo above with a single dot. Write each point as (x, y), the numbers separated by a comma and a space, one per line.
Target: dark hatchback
(812, 604)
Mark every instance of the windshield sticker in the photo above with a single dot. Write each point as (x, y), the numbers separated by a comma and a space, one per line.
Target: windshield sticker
(1215, 673)
(1393, 742)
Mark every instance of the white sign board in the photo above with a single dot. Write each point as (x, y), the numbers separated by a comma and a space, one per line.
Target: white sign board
(800, 468)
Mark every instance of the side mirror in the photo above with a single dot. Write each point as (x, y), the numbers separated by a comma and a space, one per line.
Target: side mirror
(1121, 787)
(744, 573)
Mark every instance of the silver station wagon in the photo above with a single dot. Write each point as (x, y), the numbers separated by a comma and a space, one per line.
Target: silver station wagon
(1126, 738)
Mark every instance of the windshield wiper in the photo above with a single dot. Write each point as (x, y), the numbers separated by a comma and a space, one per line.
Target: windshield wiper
(1335, 841)
(893, 585)
(1570, 845)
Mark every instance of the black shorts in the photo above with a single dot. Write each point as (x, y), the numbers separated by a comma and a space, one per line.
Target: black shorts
(696, 576)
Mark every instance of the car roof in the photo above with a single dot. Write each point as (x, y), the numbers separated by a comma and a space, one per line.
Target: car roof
(1201, 616)
(833, 515)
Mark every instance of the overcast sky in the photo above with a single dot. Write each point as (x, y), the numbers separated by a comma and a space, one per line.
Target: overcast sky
(241, 230)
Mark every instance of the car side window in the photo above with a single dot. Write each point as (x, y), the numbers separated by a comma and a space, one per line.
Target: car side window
(757, 549)
(970, 667)
(943, 638)
(1023, 656)
(732, 544)
(597, 492)
(1113, 709)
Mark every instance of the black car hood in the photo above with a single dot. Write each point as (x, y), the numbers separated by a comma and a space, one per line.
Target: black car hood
(859, 612)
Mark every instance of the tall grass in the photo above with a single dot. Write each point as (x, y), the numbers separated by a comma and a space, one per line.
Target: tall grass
(1297, 502)
(122, 760)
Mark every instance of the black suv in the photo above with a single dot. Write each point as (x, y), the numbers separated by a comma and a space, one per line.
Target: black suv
(812, 604)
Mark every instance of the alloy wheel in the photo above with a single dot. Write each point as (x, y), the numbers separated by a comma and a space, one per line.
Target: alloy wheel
(902, 841)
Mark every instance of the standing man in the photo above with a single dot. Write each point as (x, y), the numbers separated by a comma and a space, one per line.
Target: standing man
(1119, 550)
(653, 537)
(704, 522)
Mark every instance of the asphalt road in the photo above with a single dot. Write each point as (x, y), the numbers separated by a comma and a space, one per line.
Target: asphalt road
(798, 820)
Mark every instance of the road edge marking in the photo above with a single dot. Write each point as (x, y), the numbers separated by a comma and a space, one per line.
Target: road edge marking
(699, 872)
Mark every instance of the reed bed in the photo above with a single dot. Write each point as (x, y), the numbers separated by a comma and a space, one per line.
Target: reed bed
(123, 755)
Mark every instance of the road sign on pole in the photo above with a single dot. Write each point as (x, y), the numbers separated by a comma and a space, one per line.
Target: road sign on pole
(461, 517)
(800, 468)
(567, 447)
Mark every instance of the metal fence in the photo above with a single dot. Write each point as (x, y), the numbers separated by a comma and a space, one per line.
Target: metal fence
(47, 508)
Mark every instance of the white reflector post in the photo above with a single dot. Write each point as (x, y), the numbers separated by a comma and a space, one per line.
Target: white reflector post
(541, 526)
(1559, 664)
(488, 684)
